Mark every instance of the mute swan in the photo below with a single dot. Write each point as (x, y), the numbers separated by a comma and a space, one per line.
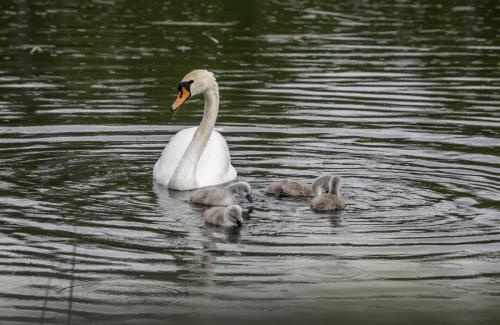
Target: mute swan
(224, 216)
(216, 196)
(196, 157)
(330, 201)
(293, 188)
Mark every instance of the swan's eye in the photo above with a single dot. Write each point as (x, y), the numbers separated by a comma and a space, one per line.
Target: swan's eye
(186, 85)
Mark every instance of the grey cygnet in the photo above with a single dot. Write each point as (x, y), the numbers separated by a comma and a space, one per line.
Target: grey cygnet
(298, 189)
(229, 216)
(332, 200)
(224, 197)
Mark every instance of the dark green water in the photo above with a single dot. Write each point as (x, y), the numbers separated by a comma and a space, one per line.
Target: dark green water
(401, 98)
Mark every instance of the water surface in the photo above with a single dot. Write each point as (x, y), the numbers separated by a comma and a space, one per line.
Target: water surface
(401, 98)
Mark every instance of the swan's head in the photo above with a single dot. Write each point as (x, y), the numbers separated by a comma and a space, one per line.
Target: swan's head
(194, 83)
(233, 213)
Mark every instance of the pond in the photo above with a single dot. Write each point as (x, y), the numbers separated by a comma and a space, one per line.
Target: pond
(400, 98)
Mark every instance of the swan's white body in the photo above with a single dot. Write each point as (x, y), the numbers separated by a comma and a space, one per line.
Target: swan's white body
(213, 168)
(199, 156)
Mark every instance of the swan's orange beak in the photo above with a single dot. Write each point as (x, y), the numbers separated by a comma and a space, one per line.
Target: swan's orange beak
(183, 95)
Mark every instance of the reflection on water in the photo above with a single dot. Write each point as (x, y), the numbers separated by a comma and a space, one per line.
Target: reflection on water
(400, 98)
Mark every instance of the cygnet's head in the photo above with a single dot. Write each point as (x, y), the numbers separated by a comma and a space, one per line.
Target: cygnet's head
(321, 184)
(233, 213)
(194, 83)
(243, 189)
(335, 185)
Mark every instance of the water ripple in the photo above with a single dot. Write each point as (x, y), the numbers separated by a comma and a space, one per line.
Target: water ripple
(400, 99)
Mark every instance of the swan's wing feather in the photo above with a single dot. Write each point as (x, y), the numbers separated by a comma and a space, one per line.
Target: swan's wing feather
(171, 155)
(215, 166)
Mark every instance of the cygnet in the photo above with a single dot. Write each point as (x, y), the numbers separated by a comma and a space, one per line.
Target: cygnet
(298, 189)
(229, 216)
(224, 197)
(330, 201)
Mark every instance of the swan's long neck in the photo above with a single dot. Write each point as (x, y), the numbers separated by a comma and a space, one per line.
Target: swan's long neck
(185, 173)
(320, 184)
(335, 186)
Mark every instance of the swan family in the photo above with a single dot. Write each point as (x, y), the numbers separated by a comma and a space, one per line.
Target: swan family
(198, 159)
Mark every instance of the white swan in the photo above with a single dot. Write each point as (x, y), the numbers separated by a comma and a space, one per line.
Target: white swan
(198, 156)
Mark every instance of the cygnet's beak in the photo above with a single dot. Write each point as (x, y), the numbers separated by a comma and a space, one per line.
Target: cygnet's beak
(183, 95)
(239, 223)
(249, 198)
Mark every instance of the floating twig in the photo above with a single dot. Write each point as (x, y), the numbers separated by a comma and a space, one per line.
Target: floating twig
(36, 49)
(213, 39)
(194, 23)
